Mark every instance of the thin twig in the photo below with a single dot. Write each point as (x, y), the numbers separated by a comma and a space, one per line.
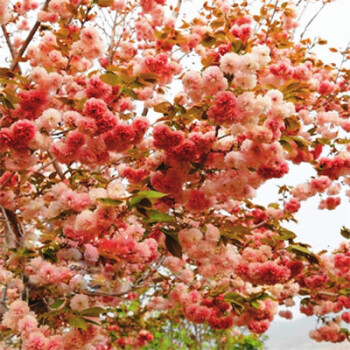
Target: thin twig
(270, 21)
(7, 180)
(106, 294)
(3, 307)
(110, 49)
(10, 237)
(28, 40)
(312, 19)
(56, 166)
(344, 59)
(8, 41)
(44, 166)
(176, 11)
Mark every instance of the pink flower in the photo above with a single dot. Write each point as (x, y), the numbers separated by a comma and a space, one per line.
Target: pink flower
(48, 273)
(166, 138)
(259, 327)
(6, 139)
(27, 324)
(321, 184)
(55, 343)
(79, 302)
(17, 310)
(292, 206)
(286, 314)
(23, 132)
(75, 140)
(213, 80)
(198, 201)
(35, 341)
(91, 254)
(230, 63)
(224, 109)
(346, 317)
(4, 11)
(95, 108)
(32, 102)
(173, 263)
(330, 203)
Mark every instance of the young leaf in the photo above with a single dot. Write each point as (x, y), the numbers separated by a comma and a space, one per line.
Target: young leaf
(93, 311)
(57, 304)
(173, 246)
(345, 232)
(109, 201)
(78, 322)
(111, 79)
(158, 216)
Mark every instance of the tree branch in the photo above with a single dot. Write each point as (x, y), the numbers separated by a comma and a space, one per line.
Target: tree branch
(28, 40)
(176, 11)
(111, 45)
(312, 19)
(7, 180)
(345, 52)
(13, 235)
(270, 21)
(8, 41)
(56, 166)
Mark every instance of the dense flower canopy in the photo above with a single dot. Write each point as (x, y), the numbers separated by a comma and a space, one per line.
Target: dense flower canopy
(128, 174)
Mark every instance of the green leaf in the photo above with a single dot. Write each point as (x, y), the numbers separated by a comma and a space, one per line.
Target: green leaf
(57, 304)
(158, 216)
(285, 234)
(323, 141)
(232, 229)
(292, 123)
(342, 141)
(236, 300)
(146, 194)
(301, 251)
(50, 253)
(345, 291)
(345, 232)
(255, 304)
(285, 143)
(208, 40)
(217, 23)
(6, 103)
(111, 79)
(236, 297)
(302, 143)
(129, 92)
(66, 101)
(145, 203)
(346, 332)
(152, 194)
(93, 311)
(148, 77)
(168, 232)
(101, 179)
(6, 73)
(109, 201)
(78, 322)
(173, 246)
(163, 107)
(305, 301)
(237, 45)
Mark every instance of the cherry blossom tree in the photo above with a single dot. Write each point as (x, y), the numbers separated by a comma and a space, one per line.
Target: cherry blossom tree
(128, 173)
